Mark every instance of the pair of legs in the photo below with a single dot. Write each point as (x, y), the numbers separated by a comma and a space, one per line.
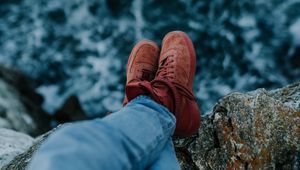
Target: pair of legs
(136, 137)
(159, 102)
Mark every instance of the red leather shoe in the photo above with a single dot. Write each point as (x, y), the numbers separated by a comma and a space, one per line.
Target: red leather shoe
(177, 66)
(173, 83)
(142, 63)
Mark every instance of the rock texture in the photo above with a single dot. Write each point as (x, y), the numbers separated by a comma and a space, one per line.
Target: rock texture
(20, 106)
(12, 143)
(255, 130)
(20, 161)
(70, 111)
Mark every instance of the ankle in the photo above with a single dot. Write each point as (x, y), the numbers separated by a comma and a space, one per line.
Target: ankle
(164, 93)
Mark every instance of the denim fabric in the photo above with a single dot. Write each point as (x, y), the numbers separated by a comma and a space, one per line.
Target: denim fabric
(167, 159)
(136, 137)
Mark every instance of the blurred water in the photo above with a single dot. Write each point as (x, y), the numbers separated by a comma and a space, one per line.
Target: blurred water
(81, 46)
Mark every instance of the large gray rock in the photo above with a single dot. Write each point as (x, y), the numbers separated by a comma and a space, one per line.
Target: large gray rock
(21, 160)
(255, 130)
(20, 106)
(12, 143)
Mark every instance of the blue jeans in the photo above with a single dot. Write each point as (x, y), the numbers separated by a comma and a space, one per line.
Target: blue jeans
(136, 137)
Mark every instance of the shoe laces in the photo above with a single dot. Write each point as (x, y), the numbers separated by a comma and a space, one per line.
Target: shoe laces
(166, 68)
(166, 73)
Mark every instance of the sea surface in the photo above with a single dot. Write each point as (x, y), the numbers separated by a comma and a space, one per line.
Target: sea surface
(80, 47)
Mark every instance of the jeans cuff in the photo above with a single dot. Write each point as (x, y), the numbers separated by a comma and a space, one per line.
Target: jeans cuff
(147, 100)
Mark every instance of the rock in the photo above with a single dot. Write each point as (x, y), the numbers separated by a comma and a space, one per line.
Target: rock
(12, 143)
(20, 106)
(70, 111)
(20, 161)
(255, 130)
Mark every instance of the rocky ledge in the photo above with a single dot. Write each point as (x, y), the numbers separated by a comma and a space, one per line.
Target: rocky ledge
(254, 130)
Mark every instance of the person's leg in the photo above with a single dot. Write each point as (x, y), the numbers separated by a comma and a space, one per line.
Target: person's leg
(167, 158)
(131, 138)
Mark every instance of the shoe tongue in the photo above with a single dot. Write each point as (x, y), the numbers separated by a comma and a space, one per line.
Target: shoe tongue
(148, 74)
(145, 75)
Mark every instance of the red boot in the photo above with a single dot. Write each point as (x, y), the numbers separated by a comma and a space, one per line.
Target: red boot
(173, 84)
(142, 63)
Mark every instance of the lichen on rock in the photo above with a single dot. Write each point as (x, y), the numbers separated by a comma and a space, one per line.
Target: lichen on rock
(255, 130)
